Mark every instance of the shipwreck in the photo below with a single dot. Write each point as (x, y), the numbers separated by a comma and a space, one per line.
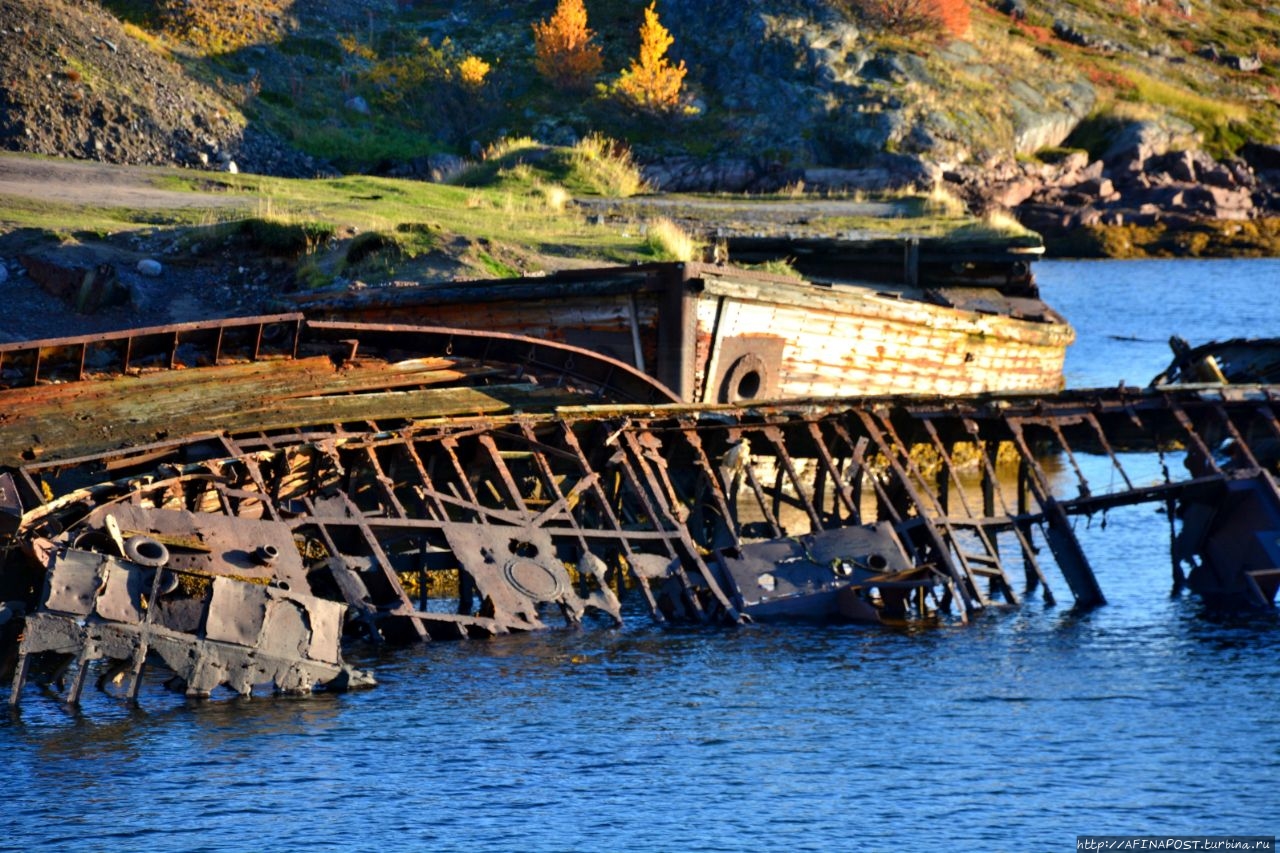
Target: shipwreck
(227, 505)
(1240, 361)
(163, 510)
(870, 317)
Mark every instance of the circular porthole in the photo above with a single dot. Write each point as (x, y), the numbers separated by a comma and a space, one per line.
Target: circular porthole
(749, 385)
(533, 579)
(747, 379)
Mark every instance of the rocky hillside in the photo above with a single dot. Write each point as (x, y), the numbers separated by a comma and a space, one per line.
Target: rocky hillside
(79, 83)
(1077, 114)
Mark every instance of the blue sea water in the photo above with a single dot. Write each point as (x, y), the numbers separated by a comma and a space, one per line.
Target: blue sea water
(1016, 732)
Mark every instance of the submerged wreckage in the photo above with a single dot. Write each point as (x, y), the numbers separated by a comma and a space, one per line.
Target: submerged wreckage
(228, 503)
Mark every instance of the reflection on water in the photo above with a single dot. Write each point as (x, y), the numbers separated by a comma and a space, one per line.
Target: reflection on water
(1029, 726)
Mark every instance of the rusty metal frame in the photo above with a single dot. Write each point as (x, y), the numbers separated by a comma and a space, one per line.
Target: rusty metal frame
(563, 511)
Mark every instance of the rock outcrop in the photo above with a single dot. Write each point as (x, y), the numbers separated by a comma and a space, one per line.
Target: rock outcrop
(799, 83)
(1151, 175)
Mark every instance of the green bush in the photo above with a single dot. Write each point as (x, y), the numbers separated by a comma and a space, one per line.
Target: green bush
(283, 238)
(366, 244)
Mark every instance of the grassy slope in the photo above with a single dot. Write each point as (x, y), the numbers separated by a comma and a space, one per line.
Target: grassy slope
(520, 220)
(303, 79)
(304, 86)
(299, 84)
(1226, 106)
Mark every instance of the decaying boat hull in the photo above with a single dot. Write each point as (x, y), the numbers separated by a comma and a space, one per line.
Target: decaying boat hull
(719, 334)
(1239, 361)
(1230, 538)
(98, 608)
(791, 578)
(215, 603)
(780, 340)
(76, 396)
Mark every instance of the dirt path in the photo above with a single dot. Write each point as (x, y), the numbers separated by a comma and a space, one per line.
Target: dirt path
(216, 284)
(80, 182)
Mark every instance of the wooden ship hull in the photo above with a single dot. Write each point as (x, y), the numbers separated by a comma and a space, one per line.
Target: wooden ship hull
(722, 334)
(66, 397)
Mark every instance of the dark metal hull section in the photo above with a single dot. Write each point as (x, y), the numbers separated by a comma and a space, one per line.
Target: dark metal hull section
(1239, 361)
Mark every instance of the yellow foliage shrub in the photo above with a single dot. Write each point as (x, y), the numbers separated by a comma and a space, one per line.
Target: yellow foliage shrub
(668, 241)
(472, 71)
(219, 26)
(356, 48)
(652, 83)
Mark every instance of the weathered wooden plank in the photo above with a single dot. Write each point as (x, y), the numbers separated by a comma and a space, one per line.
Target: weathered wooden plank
(79, 417)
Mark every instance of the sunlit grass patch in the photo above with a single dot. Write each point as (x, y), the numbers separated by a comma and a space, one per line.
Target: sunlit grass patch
(668, 241)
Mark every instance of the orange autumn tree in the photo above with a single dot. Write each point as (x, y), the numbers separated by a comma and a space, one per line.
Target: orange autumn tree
(652, 83)
(952, 16)
(563, 49)
(912, 16)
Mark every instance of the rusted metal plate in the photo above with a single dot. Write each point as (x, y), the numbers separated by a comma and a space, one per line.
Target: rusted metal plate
(10, 505)
(236, 613)
(212, 544)
(121, 596)
(250, 635)
(285, 632)
(801, 576)
(324, 619)
(73, 583)
(515, 569)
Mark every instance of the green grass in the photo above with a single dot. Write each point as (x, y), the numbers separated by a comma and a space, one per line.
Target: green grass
(495, 267)
(378, 252)
(284, 211)
(1216, 118)
(667, 241)
(322, 49)
(595, 166)
(995, 227)
(279, 237)
(520, 221)
(351, 146)
(63, 217)
(783, 267)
